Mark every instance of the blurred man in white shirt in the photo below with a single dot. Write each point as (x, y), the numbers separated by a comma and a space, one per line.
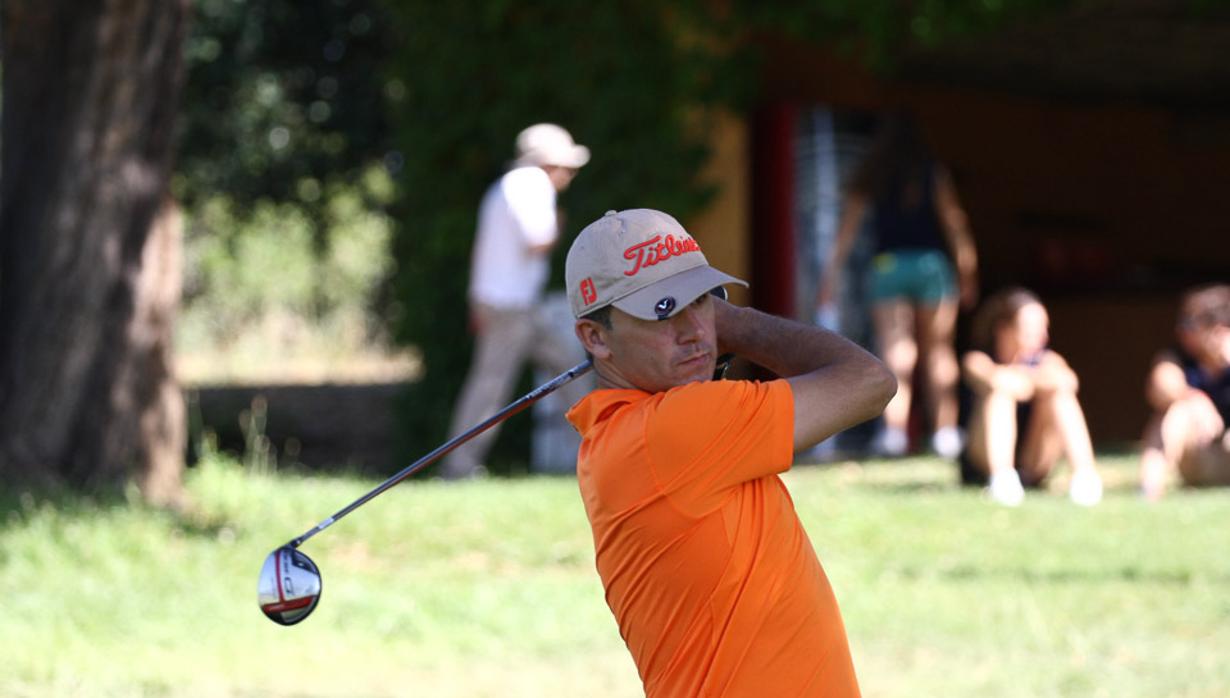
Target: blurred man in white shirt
(517, 229)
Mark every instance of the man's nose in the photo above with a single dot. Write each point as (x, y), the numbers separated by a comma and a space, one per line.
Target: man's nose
(688, 325)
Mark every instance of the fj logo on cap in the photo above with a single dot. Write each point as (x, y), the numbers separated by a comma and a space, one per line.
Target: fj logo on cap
(588, 293)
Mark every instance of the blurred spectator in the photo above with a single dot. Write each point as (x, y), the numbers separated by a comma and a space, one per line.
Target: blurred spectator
(1189, 390)
(518, 227)
(1025, 412)
(921, 231)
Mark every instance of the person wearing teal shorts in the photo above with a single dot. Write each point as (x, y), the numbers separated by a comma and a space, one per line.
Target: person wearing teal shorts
(922, 275)
(924, 270)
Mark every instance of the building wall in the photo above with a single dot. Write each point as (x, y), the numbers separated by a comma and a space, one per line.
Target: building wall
(1107, 210)
(722, 229)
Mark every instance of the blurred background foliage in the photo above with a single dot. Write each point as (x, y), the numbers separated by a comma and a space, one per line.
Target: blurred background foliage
(881, 32)
(285, 171)
(282, 291)
(333, 154)
(282, 98)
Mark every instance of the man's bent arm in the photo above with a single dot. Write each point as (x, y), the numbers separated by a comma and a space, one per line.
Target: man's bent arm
(836, 383)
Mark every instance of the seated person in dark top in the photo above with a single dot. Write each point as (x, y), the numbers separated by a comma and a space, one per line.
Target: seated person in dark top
(1189, 391)
(1025, 412)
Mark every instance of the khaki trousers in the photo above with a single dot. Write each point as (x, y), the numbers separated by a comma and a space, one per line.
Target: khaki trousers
(506, 339)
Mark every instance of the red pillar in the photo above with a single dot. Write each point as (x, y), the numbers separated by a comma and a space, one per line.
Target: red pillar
(773, 221)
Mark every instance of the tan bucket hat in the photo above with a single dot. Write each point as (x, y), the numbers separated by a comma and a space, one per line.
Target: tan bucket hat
(640, 261)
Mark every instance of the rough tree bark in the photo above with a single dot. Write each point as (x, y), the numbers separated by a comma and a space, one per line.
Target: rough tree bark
(89, 245)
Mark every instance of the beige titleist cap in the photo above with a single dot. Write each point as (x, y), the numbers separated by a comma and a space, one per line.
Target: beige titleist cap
(640, 261)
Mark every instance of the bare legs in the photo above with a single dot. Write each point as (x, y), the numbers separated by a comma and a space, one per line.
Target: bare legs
(1057, 427)
(992, 433)
(1061, 429)
(1188, 436)
(894, 322)
(936, 326)
(895, 334)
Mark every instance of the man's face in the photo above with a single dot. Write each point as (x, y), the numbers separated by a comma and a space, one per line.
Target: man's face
(560, 176)
(653, 355)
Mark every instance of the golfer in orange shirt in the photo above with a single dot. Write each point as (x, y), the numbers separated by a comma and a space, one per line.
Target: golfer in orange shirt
(707, 569)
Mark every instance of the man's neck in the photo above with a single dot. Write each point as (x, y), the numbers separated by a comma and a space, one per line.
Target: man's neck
(610, 378)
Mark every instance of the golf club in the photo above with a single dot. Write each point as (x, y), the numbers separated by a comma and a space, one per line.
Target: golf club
(290, 583)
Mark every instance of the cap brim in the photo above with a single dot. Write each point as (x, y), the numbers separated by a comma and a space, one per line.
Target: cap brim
(682, 288)
(575, 158)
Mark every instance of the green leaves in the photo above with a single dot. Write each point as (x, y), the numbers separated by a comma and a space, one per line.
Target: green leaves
(276, 93)
(475, 73)
(881, 32)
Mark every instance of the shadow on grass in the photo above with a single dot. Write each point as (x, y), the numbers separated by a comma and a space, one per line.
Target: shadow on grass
(1127, 574)
(19, 507)
(897, 475)
(914, 486)
(927, 474)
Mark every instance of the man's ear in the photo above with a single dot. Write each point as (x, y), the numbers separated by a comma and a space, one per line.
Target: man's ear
(593, 336)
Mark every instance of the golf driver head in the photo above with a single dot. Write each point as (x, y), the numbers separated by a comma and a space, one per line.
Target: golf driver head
(289, 586)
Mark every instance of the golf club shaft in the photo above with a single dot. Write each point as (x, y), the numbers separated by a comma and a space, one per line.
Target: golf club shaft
(530, 398)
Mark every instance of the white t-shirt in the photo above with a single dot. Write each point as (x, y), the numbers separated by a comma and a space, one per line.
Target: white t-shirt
(517, 212)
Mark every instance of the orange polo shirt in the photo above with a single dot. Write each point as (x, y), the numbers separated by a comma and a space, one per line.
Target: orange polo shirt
(710, 575)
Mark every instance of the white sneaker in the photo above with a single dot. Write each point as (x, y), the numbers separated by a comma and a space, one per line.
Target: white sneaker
(890, 443)
(1086, 487)
(1005, 488)
(947, 442)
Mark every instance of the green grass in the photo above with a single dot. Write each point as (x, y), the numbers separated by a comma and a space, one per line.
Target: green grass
(488, 589)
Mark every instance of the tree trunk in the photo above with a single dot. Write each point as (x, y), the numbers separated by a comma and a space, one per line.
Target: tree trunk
(89, 261)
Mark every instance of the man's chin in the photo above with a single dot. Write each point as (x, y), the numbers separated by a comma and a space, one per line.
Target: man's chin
(702, 373)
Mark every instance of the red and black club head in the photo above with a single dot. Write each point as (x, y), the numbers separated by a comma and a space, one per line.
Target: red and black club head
(289, 587)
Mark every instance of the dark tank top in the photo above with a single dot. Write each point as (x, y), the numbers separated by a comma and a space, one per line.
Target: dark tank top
(1216, 387)
(905, 223)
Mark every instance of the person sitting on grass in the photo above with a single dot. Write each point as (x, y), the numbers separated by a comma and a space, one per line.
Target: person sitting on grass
(1189, 391)
(1025, 412)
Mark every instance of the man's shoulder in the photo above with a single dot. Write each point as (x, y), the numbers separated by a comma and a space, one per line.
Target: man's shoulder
(684, 402)
(709, 397)
(520, 178)
(727, 421)
(600, 405)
